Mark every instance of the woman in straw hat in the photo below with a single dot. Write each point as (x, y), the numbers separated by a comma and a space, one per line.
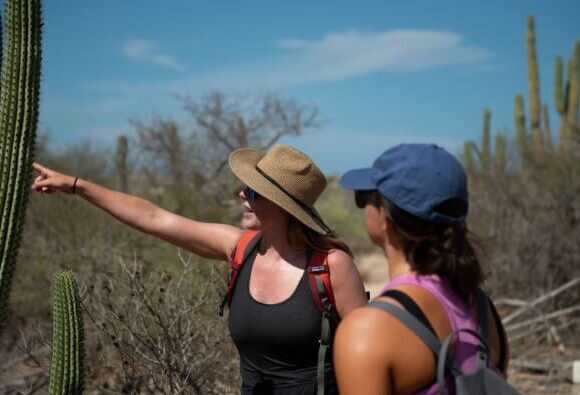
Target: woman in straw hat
(415, 205)
(273, 320)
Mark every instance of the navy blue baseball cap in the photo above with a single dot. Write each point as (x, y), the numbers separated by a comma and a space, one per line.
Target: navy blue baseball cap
(417, 178)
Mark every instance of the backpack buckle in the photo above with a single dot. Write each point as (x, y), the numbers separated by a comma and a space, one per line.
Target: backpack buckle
(318, 269)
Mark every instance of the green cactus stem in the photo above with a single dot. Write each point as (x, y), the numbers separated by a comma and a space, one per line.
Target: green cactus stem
(499, 159)
(121, 163)
(468, 160)
(547, 130)
(485, 142)
(19, 95)
(67, 359)
(534, 86)
(520, 121)
(574, 92)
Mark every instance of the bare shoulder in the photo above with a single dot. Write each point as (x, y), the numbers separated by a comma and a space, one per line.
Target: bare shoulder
(340, 260)
(362, 334)
(346, 282)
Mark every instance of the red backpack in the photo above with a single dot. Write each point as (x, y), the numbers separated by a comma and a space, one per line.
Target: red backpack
(320, 286)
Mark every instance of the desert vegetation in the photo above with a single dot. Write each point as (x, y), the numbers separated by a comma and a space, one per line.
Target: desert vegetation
(151, 322)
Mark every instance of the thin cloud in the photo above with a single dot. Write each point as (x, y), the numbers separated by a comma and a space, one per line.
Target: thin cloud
(343, 55)
(333, 57)
(146, 51)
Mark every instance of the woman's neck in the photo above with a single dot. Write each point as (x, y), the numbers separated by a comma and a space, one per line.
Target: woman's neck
(397, 261)
(275, 244)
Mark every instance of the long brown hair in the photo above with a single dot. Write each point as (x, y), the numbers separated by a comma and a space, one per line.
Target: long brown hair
(432, 248)
(302, 237)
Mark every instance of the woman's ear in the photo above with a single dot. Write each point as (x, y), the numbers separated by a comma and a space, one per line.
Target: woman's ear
(385, 224)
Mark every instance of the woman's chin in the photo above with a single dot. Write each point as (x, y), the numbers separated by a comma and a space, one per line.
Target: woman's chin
(250, 221)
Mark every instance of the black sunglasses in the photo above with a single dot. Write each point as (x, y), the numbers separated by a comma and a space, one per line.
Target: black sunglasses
(250, 194)
(364, 197)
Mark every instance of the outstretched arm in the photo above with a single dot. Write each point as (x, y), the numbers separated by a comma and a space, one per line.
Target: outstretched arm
(205, 239)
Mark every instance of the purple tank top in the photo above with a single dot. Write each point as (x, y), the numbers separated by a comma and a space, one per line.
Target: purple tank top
(460, 315)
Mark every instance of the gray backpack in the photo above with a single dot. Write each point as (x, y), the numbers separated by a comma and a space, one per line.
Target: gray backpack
(484, 380)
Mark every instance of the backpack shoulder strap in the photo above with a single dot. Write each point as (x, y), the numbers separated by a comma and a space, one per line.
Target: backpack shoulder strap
(246, 245)
(410, 305)
(483, 301)
(321, 289)
(410, 322)
(320, 285)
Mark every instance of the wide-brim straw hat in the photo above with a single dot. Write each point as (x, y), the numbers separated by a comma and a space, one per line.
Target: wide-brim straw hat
(286, 177)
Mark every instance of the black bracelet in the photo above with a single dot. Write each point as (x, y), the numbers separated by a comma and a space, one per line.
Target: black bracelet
(74, 188)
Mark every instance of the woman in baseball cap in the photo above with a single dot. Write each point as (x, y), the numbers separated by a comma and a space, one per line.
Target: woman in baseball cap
(415, 203)
(273, 320)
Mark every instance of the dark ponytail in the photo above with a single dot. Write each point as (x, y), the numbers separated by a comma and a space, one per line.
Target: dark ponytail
(433, 248)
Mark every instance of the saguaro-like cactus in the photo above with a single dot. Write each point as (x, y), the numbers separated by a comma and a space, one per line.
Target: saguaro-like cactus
(121, 163)
(499, 159)
(534, 87)
(67, 360)
(520, 121)
(485, 142)
(19, 94)
(567, 96)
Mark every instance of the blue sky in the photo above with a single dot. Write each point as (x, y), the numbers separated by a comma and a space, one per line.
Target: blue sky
(381, 72)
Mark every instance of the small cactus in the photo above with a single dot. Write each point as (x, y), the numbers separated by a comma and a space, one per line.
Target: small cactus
(67, 359)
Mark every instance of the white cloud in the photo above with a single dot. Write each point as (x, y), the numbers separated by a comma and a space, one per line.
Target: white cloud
(333, 57)
(146, 51)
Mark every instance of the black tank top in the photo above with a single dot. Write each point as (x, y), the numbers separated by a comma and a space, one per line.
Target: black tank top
(278, 343)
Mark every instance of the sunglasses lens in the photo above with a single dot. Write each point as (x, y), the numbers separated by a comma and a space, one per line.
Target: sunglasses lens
(362, 198)
(250, 193)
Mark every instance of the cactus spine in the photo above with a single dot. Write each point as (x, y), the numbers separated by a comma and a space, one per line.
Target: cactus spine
(121, 163)
(19, 95)
(67, 359)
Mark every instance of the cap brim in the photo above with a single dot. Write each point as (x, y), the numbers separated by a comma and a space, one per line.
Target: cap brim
(358, 179)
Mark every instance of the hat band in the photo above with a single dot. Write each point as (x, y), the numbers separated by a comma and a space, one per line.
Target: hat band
(308, 210)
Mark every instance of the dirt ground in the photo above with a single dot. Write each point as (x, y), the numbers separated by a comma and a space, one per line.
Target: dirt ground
(373, 270)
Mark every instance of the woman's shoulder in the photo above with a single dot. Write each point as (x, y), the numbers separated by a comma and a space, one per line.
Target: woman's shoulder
(336, 256)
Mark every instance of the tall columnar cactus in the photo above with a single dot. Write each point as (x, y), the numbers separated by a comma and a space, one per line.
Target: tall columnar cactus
(19, 94)
(121, 163)
(467, 157)
(499, 159)
(547, 130)
(574, 92)
(534, 87)
(567, 96)
(67, 359)
(520, 121)
(485, 142)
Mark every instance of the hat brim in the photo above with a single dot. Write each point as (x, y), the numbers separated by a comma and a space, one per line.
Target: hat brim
(243, 163)
(358, 179)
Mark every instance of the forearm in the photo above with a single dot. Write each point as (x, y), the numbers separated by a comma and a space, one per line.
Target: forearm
(131, 210)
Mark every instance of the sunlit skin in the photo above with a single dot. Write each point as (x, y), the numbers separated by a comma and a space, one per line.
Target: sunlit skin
(373, 352)
(277, 268)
